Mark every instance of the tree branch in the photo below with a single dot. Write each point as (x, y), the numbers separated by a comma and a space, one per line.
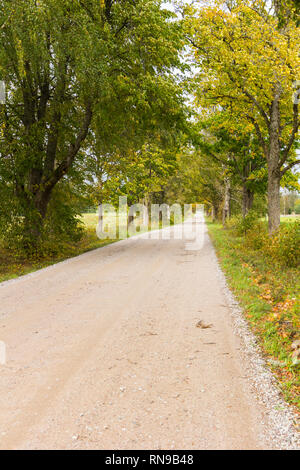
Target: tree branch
(252, 99)
(259, 134)
(74, 148)
(296, 124)
(289, 167)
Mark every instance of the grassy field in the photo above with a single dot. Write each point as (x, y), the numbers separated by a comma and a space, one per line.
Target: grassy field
(289, 218)
(270, 297)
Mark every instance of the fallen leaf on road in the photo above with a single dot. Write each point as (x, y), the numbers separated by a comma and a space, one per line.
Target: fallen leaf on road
(203, 325)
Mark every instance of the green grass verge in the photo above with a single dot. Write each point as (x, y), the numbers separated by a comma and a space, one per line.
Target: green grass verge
(269, 296)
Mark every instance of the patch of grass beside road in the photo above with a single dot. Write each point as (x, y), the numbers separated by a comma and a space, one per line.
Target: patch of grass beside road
(270, 297)
(13, 265)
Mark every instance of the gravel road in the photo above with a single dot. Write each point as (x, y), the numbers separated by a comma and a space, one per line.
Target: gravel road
(104, 352)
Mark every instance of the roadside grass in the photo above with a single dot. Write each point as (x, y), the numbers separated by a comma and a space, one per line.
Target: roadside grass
(13, 265)
(270, 297)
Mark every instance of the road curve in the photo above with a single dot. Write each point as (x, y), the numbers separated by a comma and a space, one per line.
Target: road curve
(103, 352)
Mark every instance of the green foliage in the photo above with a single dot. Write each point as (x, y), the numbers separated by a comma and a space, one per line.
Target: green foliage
(60, 227)
(257, 236)
(243, 74)
(79, 76)
(247, 223)
(140, 175)
(14, 262)
(61, 224)
(284, 246)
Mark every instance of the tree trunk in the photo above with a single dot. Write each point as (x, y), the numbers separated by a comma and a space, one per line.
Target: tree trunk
(273, 201)
(214, 212)
(100, 217)
(34, 218)
(36, 201)
(248, 199)
(274, 174)
(148, 204)
(226, 207)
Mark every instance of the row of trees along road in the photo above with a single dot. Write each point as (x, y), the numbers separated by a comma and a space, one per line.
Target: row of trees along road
(247, 58)
(85, 79)
(95, 107)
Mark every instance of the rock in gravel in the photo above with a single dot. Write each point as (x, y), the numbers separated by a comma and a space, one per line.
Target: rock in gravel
(203, 325)
(296, 357)
(296, 345)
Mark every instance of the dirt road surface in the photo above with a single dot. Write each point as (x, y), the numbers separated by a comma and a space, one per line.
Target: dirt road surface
(103, 352)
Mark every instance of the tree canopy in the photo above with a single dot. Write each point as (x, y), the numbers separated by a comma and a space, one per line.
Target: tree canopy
(79, 74)
(99, 104)
(248, 61)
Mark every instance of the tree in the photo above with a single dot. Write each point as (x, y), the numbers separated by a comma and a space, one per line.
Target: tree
(198, 179)
(250, 62)
(71, 69)
(137, 174)
(230, 143)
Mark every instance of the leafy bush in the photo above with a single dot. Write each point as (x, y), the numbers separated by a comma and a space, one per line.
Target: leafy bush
(244, 224)
(233, 222)
(61, 228)
(257, 237)
(284, 246)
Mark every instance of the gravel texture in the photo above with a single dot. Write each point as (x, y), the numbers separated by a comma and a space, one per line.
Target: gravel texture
(282, 422)
(138, 345)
